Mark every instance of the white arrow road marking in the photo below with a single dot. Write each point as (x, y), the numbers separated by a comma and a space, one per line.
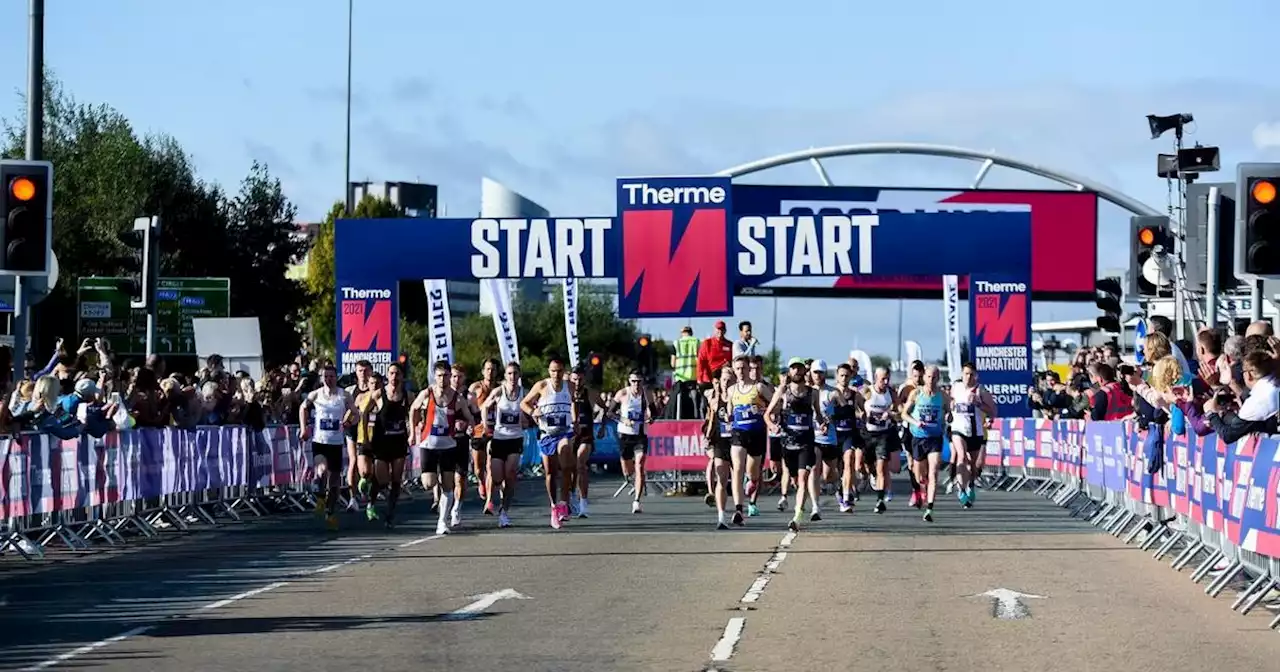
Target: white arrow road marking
(1007, 604)
(483, 602)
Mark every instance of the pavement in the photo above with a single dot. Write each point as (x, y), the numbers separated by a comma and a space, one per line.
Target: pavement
(660, 590)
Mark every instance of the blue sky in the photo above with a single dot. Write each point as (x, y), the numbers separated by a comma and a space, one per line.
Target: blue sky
(558, 99)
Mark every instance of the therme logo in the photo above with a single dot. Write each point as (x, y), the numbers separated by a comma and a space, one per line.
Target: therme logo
(366, 319)
(1001, 318)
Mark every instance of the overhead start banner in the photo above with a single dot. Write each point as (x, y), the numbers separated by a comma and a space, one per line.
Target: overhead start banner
(684, 247)
(1000, 339)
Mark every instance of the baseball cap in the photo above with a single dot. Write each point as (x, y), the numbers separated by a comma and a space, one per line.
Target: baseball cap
(86, 388)
(720, 324)
(795, 361)
(819, 365)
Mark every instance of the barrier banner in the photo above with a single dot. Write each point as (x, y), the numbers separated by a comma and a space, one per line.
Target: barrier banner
(1000, 339)
(676, 445)
(504, 325)
(569, 293)
(440, 321)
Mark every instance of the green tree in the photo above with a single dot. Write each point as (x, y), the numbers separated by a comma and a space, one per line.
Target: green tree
(106, 175)
(773, 360)
(879, 361)
(321, 281)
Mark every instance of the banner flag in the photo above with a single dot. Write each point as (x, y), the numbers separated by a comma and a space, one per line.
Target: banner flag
(913, 353)
(951, 315)
(570, 294)
(504, 322)
(441, 321)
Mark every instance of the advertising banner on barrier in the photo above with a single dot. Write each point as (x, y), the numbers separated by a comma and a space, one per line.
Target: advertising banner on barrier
(1000, 340)
(676, 445)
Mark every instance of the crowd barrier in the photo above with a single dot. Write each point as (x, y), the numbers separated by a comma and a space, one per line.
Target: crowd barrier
(1205, 502)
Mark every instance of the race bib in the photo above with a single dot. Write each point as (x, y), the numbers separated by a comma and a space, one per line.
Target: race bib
(635, 416)
(745, 413)
(962, 407)
(329, 424)
(844, 424)
(556, 420)
(440, 430)
(798, 421)
(509, 418)
(928, 416)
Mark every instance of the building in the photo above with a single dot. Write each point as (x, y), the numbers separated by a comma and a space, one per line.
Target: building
(498, 201)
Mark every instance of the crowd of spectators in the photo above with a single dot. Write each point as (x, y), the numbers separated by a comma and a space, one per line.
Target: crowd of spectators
(92, 391)
(1215, 384)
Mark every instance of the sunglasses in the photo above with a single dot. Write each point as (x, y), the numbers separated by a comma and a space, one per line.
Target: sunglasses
(634, 381)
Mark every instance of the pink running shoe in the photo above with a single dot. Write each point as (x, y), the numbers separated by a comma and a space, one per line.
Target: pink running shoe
(751, 488)
(914, 502)
(555, 517)
(563, 512)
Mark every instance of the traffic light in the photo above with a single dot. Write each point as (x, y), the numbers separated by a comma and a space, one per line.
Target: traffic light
(595, 370)
(1110, 297)
(144, 241)
(27, 217)
(644, 355)
(1258, 219)
(1151, 256)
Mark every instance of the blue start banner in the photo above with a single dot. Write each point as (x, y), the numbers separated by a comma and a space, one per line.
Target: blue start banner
(1000, 339)
(678, 247)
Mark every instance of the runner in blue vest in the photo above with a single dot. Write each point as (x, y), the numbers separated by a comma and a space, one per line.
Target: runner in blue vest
(925, 413)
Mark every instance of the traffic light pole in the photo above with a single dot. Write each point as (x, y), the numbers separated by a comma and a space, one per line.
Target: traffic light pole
(35, 147)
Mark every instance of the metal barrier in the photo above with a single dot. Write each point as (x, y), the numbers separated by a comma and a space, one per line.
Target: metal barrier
(1193, 498)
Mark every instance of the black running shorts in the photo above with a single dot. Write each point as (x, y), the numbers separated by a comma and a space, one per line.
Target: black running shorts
(972, 444)
(331, 453)
(389, 448)
(796, 458)
(722, 448)
(828, 452)
(630, 444)
(753, 441)
(501, 449)
(442, 460)
(922, 446)
(880, 445)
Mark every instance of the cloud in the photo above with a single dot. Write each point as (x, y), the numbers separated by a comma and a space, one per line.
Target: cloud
(410, 90)
(317, 153)
(511, 106)
(1266, 136)
(267, 155)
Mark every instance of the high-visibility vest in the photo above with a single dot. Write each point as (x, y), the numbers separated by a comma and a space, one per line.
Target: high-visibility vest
(686, 358)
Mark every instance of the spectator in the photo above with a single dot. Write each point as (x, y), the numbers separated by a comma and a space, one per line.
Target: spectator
(746, 343)
(684, 365)
(1231, 420)
(1109, 402)
(21, 398)
(45, 414)
(713, 353)
(1259, 328)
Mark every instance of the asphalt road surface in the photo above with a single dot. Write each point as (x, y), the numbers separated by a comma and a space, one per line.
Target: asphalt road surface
(657, 591)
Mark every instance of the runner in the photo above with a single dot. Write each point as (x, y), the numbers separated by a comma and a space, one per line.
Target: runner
(847, 420)
(826, 442)
(748, 399)
(462, 447)
(632, 407)
(915, 379)
(330, 405)
(719, 435)
(482, 430)
(881, 438)
(795, 410)
(585, 403)
(972, 412)
(502, 410)
(358, 466)
(385, 416)
(925, 413)
(436, 416)
(550, 404)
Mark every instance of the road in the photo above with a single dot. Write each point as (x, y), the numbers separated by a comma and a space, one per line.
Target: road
(657, 591)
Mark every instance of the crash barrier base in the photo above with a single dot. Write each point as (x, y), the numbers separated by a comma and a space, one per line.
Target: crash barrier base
(1191, 501)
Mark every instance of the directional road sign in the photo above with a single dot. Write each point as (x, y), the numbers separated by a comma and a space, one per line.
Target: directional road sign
(103, 309)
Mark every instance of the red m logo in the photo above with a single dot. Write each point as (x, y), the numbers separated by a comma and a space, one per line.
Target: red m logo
(997, 326)
(669, 275)
(366, 328)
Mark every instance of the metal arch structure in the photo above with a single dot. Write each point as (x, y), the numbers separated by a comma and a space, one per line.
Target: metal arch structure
(815, 155)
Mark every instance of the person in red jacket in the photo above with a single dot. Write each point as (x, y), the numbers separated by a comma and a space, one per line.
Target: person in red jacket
(713, 353)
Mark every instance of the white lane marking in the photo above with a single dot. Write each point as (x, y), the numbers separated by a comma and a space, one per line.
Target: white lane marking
(483, 602)
(723, 649)
(756, 590)
(88, 648)
(787, 539)
(423, 540)
(246, 594)
(340, 565)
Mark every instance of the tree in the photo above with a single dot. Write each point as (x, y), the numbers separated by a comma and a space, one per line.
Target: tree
(321, 279)
(773, 361)
(105, 175)
(880, 361)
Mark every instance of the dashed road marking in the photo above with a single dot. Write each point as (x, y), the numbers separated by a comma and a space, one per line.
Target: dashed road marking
(724, 648)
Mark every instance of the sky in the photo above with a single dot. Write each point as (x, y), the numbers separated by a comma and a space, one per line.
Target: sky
(556, 100)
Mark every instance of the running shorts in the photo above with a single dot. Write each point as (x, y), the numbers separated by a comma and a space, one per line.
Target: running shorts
(480, 444)
(630, 444)
(753, 441)
(803, 457)
(880, 444)
(922, 446)
(501, 449)
(848, 440)
(828, 452)
(443, 461)
(549, 443)
(389, 448)
(972, 444)
(332, 454)
(722, 448)
(584, 435)
(776, 450)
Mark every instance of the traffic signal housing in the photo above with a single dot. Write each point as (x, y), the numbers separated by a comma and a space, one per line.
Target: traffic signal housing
(143, 240)
(1110, 300)
(27, 215)
(1257, 220)
(1151, 256)
(595, 370)
(644, 355)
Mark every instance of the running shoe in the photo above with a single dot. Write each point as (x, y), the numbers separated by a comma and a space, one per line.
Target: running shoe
(914, 502)
(751, 487)
(635, 507)
(782, 503)
(370, 513)
(582, 508)
(353, 504)
(973, 494)
(331, 523)
(845, 507)
(928, 515)
(841, 501)
(721, 526)
(563, 512)
(814, 516)
(880, 506)
(365, 487)
(455, 518)
(794, 525)
(504, 520)
(737, 519)
(555, 517)
(573, 502)
(709, 499)
(441, 528)
(752, 510)
(488, 508)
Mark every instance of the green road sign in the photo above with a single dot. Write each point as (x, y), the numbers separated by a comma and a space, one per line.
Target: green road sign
(104, 312)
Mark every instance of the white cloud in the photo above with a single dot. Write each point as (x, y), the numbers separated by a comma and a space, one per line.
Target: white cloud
(1266, 136)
